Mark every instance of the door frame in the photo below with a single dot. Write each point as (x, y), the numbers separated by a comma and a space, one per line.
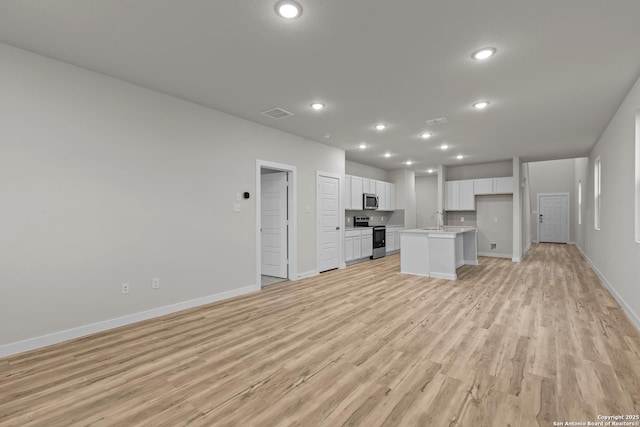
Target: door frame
(340, 177)
(568, 214)
(292, 204)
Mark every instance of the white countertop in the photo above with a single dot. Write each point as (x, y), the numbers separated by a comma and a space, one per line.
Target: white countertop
(446, 230)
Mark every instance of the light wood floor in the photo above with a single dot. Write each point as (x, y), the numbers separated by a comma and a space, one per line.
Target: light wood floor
(507, 344)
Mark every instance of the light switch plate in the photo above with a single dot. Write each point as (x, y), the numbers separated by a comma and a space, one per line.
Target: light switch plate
(495, 219)
(237, 207)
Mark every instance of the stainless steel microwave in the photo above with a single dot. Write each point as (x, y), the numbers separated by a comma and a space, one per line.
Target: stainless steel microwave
(369, 201)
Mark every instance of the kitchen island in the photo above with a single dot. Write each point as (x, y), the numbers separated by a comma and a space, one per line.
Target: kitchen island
(438, 252)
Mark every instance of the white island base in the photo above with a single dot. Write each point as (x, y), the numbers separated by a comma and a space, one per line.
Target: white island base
(438, 253)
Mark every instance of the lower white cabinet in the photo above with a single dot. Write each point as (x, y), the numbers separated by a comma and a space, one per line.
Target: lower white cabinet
(358, 244)
(393, 239)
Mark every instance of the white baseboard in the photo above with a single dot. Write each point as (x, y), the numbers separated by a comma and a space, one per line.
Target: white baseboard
(308, 274)
(81, 331)
(628, 310)
(443, 276)
(516, 259)
(526, 250)
(472, 262)
(343, 265)
(495, 255)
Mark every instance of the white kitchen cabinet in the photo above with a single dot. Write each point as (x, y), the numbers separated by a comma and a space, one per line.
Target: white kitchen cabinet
(460, 195)
(483, 186)
(467, 197)
(452, 195)
(367, 243)
(383, 197)
(358, 244)
(357, 247)
(348, 249)
(503, 185)
(366, 185)
(393, 239)
(356, 193)
(356, 186)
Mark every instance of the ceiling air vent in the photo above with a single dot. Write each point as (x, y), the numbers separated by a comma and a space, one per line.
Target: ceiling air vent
(438, 121)
(277, 113)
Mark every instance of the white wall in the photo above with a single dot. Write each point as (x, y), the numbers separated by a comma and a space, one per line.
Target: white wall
(483, 170)
(103, 182)
(581, 173)
(405, 181)
(426, 201)
(553, 176)
(495, 225)
(612, 249)
(366, 171)
(526, 208)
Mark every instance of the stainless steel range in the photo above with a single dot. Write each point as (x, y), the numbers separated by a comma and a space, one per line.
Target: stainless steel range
(379, 241)
(379, 235)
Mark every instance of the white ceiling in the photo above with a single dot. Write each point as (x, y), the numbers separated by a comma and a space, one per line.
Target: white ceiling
(561, 70)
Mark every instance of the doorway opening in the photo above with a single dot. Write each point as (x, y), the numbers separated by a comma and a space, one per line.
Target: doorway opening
(553, 217)
(276, 259)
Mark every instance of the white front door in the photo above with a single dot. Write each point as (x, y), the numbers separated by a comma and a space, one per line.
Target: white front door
(329, 223)
(553, 218)
(273, 216)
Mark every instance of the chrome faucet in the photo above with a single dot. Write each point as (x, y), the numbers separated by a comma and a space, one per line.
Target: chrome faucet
(440, 219)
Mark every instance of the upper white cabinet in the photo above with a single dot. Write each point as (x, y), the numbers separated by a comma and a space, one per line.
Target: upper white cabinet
(356, 193)
(503, 185)
(483, 186)
(460, 196)
(355, 187)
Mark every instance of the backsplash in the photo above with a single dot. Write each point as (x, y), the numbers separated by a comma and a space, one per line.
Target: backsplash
(377, 217)
(456, 218)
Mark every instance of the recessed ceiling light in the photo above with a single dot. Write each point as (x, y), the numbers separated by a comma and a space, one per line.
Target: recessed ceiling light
(381, 126)
(387, 155)
(317, 105)
(288, 9)
(426, 135)
(459, 156)
(444, 147)
(430, 171)
(409, 162)
(481, 105)
(362, 146)
(483, 53)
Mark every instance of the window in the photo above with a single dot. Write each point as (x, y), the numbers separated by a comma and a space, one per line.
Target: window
(580, 202)
(638, 177)
(597, 191)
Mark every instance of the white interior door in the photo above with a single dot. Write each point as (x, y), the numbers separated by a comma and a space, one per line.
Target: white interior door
(328, 223)
(553, 218)
(274, 222)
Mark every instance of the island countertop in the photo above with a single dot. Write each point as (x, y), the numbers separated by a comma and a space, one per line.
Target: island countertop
(435, 230)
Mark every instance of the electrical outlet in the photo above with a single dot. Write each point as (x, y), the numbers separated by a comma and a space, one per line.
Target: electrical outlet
(238, 197)
(461, 219)
(493, 245)
(125, 288)
(381, 218)
(348, 219)
(155, 283)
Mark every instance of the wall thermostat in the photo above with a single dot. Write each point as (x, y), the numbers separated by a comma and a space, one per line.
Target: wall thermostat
(246, 194)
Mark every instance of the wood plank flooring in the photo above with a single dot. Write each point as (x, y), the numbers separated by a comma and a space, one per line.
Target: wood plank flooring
(506, 345)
